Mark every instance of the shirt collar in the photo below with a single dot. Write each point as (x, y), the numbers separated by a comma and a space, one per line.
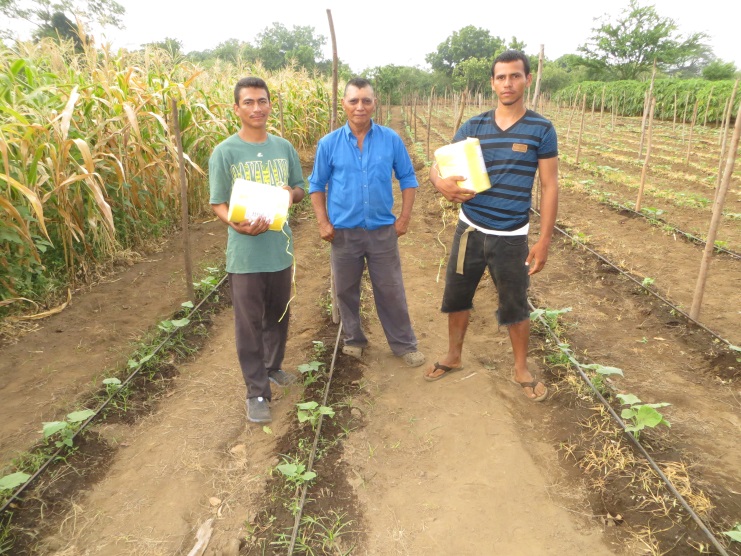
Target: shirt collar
(348, 131)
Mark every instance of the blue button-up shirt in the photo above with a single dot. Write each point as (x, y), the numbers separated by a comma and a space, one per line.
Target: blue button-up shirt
(358, 183)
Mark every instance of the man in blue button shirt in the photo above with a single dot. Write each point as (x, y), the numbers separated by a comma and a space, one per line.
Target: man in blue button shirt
(352, 196)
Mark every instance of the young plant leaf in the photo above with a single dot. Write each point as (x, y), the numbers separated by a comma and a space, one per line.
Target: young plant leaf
(14, 480)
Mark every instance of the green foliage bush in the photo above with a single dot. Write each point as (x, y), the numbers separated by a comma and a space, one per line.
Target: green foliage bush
(628, 97)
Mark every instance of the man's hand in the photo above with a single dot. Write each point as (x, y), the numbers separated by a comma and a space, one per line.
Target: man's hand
(290, 195)
(401, 225)
(326, 231)
(537, 257)
(452, 191)
(252, 227)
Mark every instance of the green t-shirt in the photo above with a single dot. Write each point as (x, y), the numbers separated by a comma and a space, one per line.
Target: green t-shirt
(273, 162)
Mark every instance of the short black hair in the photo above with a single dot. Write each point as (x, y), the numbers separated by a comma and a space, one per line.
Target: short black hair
(359, 82)
(512, 56)
(249, 83)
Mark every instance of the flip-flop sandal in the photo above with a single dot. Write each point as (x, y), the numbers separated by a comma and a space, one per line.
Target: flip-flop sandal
(532, 384)
(440, 367)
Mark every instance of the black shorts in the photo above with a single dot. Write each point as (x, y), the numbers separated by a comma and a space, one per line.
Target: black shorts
(505, 257)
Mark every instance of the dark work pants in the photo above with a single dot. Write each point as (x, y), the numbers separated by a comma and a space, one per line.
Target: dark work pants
(351, 249)
(260, 299)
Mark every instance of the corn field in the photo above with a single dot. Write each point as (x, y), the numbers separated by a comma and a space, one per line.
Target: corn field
(88, 160)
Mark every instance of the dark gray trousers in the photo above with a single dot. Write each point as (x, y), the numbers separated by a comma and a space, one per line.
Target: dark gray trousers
(351, 249)
(259, 300)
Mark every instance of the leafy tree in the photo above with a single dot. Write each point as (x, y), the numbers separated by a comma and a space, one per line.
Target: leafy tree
(718, 70)
(626, 48)
(61, 28)
(469, 42)
(45, 14)
(473, 74)
(398, 80)
(277, 45)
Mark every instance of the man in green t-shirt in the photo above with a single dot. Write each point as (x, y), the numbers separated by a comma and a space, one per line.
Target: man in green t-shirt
(259, 260)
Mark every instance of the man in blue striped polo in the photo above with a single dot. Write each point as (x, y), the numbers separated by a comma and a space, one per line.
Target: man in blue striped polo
(493, 225)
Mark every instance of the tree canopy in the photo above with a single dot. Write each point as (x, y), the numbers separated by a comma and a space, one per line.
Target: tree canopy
(48, 15)
(469, 42)
(627, 47)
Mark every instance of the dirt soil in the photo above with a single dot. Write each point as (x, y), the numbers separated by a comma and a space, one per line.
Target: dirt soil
(466, 465)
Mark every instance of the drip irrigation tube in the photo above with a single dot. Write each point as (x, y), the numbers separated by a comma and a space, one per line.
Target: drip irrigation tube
(649, 290)
(134, 373)
(310, 464)
(633, 440)
(663, 222)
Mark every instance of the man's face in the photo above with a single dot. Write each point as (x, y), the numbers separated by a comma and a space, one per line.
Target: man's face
(359, 104)
(509, 81)
(253, 108)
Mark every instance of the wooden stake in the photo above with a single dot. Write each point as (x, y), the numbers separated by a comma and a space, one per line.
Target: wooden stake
(601, 112)
(536, 92)
(460, 112)
(332, 127)
(646, 103)
(692, 127)
(707, 106)
(724, 133)
(674, 123)
(184, 219)
(429, 122)
(648, 155)
(581, 127)
(684, 114)
(335, 62)
(720, 197)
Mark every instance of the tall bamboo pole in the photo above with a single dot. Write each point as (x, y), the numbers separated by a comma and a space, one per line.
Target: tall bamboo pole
(715, 219)
(648, 155)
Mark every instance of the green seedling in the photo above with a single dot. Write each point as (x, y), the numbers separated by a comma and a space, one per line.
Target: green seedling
(641, 415)
(310, 371)
(13, 481)
(311, 411)
(187, 305)
(112, 385)
(66, 429)
(598, 380)
(647, 282)
(319, 348)
(549, 315)
(172, 325)
(734, 533)
(133, 363)
(652, 211)
(295, 472)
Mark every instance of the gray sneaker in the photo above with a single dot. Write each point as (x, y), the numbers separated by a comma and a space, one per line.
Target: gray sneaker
(281, 378)
(258, 410)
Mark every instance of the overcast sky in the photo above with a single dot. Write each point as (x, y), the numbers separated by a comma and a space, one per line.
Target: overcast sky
(393, 32)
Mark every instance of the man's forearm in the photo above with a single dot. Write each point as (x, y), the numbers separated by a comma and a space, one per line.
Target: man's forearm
(319, 204)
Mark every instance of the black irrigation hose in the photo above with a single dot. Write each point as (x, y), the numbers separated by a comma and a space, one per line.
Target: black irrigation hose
(663, 222)
(134, 373)
(649, 290)
(634, 441)
(310, 464)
